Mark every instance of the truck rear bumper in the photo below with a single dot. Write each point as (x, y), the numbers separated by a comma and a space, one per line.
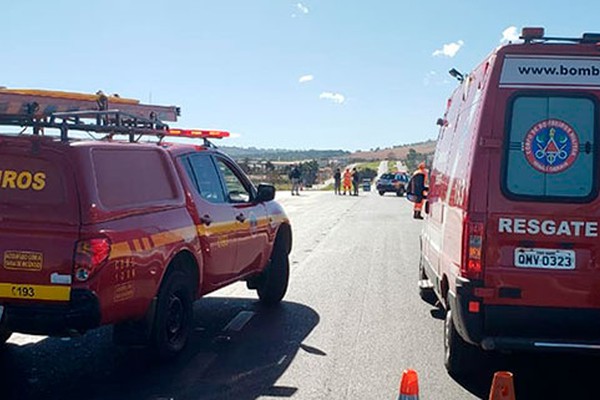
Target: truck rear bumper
(80, 314)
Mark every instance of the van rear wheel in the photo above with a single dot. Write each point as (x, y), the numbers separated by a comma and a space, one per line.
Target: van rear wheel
(460, 357)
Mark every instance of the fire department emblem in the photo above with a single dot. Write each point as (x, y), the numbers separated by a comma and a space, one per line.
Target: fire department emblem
(551, 146)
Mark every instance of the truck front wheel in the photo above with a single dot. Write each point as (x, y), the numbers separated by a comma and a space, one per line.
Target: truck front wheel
(174, 315)
(273, 282)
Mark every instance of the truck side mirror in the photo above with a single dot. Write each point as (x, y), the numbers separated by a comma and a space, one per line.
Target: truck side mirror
(266, 192)
(440, 122)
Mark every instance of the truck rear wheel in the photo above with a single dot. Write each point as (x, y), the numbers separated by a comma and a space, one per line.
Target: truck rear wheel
(4, 335)
(460, 357)
(273, 282)
(174, 315)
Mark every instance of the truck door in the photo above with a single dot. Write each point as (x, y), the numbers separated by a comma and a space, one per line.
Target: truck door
(542, 239)
(214, 217)
(251, 226)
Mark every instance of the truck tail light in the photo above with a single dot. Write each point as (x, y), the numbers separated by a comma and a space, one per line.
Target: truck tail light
(471, 266)
(90, 255)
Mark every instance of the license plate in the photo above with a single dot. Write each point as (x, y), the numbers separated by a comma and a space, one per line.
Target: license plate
(544, 258)
(34, 292)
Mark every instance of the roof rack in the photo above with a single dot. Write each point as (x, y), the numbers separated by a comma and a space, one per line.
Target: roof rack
(82, 112)
(530, 35)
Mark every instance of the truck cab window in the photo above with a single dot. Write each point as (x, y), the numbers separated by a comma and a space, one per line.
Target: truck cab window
(237, 191)
(202, 171)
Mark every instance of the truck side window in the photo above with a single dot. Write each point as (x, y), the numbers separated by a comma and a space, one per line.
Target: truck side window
(203, 172)
(236, 190)
(551, 148)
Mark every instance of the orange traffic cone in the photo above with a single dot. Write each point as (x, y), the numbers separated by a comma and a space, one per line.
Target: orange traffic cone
(502, 386)
(409, 385)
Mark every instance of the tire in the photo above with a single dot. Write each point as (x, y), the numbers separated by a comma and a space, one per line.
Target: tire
(174, 316)
(427, 294)
(400, 192)
(381, 192)
(273, 281)
(4, 335)
(460, 358)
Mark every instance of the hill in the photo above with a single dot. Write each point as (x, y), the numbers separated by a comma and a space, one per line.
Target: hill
(396, 152)
(282, 154)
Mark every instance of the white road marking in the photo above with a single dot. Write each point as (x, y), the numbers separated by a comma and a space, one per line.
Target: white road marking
(239, 321)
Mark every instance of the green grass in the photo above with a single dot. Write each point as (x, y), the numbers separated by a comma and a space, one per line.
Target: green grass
(372, 165)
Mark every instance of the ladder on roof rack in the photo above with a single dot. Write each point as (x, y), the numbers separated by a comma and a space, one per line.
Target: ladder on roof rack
(98, 113)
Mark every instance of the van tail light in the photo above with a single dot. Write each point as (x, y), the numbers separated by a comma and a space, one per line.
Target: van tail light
(90, 255)
(471, 267)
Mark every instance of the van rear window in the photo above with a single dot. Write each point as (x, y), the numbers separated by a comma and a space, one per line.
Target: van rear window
(551, 149)
(132, 178)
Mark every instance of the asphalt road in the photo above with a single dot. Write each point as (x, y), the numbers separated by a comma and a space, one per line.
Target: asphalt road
(351, 322)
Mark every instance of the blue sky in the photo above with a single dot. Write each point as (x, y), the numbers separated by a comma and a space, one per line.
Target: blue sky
(374, 72)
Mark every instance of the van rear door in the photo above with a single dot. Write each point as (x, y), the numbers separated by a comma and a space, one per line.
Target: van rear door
(542, 238)
(39, 220)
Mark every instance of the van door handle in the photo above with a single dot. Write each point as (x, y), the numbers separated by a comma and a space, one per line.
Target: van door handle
(240, 217)
(206, 220)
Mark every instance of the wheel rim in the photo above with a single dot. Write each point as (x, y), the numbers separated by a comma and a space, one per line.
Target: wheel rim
(176, 319)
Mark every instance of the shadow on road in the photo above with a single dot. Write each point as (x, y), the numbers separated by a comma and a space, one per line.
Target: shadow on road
(217, 364)
(539, 376)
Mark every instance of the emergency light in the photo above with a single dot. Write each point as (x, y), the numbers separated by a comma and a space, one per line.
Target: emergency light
(197, 133)
(528, 34)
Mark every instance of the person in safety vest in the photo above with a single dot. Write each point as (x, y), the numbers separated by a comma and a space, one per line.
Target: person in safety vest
(347, 183)
(417, 189)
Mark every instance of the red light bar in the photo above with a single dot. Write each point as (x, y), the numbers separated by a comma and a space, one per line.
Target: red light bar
(198, 133)
(532, 33)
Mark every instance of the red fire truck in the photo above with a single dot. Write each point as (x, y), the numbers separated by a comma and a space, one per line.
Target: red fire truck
(121, 229)
(510, 243)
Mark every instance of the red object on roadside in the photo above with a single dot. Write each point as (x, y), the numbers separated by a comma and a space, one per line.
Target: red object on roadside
(409, 385)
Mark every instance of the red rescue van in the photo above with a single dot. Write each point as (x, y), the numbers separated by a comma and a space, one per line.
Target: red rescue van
(510, 243)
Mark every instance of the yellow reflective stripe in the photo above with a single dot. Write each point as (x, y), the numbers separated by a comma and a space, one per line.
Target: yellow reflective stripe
(34, 292)
(121, 249)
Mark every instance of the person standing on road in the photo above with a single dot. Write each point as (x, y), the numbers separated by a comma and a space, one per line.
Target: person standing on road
(337, 182)
(355, 181)
(417, 189)
(347, 181)
(295, 176)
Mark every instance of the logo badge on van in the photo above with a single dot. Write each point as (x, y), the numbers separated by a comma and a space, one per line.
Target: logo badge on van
(551, 146)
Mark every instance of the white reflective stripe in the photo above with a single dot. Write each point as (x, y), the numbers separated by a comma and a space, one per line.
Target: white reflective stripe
(408, 397)
(567, 345)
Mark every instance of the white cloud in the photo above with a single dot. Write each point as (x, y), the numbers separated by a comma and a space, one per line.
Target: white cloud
(306, 78)
(510, 34)
(449, 50)
(302, 8)
(335, 97)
